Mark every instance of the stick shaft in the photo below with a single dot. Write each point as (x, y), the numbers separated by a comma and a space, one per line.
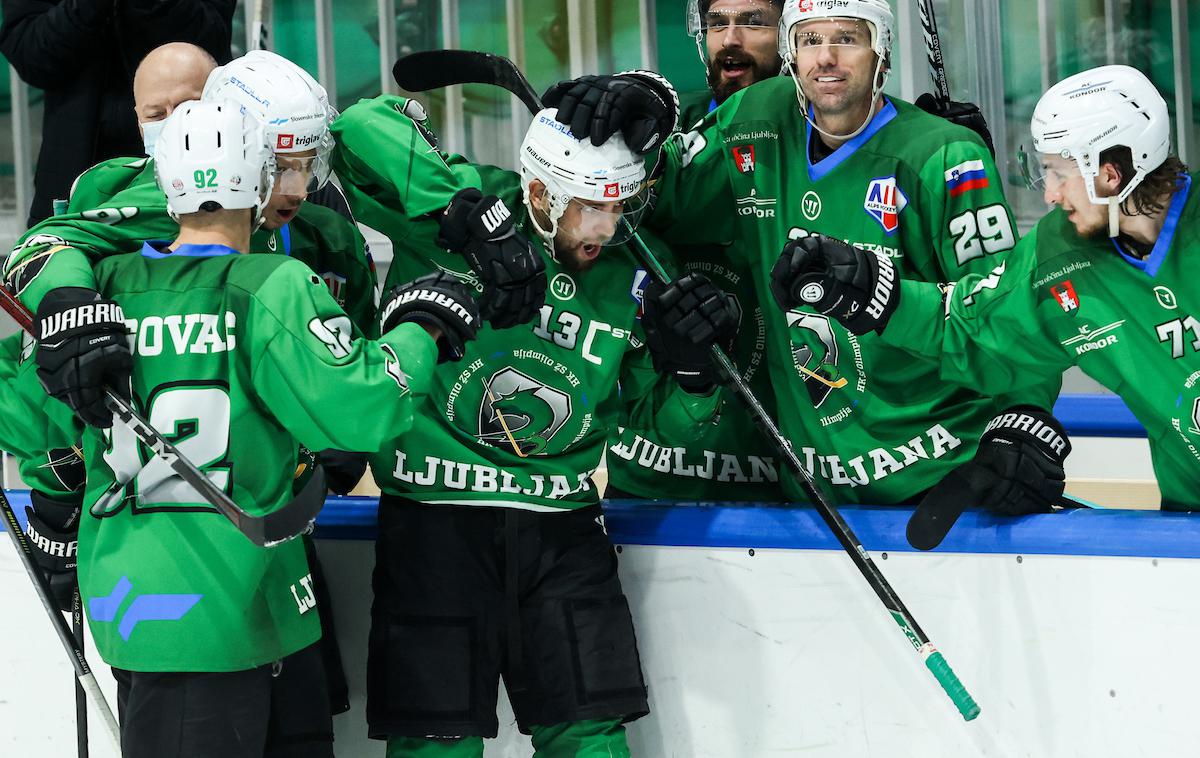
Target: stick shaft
(933, 49)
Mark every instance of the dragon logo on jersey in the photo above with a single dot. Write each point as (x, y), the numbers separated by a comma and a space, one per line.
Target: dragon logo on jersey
(743, 158)
(804, 356)
(518, 410)
(1064, 295)
(884, 202)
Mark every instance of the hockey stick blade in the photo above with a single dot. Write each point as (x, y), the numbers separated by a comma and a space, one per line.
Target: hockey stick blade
(937, 512)
(263, 531)
(435, 69)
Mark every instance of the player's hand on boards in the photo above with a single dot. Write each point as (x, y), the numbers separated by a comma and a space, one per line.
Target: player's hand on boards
(81, 350)
(682, 322)
(511, 269)
(440, 303)
(1020, 462)
(641, 105)
(963, 114)
(857, 287)
(53, 530)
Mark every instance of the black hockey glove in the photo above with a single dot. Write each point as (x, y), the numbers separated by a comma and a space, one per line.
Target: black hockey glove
(53, 529)
(82, 349)
(641, 105)
(435, 300)
(682, 322)
(511, 270)
(343, 470)
(963, 114)
(1017, 469)
(856, 287)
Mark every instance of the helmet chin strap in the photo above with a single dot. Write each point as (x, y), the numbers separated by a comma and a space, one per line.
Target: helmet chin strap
(1114, 216)
(547, 235)
(876, 93)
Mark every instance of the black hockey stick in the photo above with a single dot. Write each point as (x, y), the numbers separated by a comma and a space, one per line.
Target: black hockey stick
(434, 69)
(291, 520)
(83, 672)
(933, 50)
(81, 719)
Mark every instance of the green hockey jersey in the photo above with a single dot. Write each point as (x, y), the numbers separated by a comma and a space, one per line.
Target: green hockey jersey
(239, 358)
(116, 205)
(871, 420)
(1130, 324)
(732, 460)
(523, 419)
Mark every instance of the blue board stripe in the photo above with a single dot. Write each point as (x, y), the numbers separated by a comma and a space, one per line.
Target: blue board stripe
(1152, 534)
(1097, 416)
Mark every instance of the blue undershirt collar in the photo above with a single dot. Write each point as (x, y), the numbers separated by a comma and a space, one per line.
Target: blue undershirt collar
(848, 148)
(1151, 263)
(155, 248)
(285, 238)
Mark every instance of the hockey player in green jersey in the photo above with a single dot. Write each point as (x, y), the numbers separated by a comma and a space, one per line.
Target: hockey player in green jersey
(736, 41)
(492, 561)
(242, 356)
(1106, 281)
(921, 193)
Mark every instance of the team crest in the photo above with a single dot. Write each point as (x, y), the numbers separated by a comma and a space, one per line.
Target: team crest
(743, 158)
(884, 202)
(336, 285)
(519, 411)
(1064, 295)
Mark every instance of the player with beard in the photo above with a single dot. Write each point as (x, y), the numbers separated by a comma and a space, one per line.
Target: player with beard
(827, 153)
(737, 42)
(1104, 282)
(492, 560)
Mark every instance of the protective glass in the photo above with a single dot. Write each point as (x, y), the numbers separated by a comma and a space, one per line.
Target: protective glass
(601, 223)
(845, 34)
(1045, 172)
(300, 176)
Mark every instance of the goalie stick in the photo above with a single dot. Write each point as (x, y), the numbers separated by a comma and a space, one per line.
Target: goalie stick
(83, 672)
(284, 523)
(434, 69)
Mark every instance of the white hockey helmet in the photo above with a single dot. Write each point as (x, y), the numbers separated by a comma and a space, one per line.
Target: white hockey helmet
(213, 153)
(292, 106)
(1105, 107)
(879, 19)
(576, 170)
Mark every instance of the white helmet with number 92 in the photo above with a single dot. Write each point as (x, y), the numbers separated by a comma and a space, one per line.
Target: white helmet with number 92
(212, 155)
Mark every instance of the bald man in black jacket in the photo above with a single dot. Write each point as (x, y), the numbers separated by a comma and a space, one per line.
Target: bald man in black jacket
(83, 54)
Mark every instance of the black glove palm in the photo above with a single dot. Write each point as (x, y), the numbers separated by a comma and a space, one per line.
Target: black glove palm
(856, 287)
(641, 105)
(682, 322)
(435, 300)
(511, 270)
(81, 350)
(963, 114)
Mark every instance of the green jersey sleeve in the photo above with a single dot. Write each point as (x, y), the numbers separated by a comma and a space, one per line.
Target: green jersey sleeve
(692, 199)
(309, 362)
(987, 331)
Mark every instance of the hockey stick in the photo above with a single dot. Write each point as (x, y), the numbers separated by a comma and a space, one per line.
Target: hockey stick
(435, 69)
(81, 722)
(83, 672)
(933, 48)
(280, 525)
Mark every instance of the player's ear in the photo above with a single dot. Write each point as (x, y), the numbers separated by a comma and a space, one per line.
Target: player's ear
(1109, 179)
(538, 197)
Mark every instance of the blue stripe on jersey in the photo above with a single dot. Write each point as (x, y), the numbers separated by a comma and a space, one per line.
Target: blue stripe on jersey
(154, 248)
(835, 159)
(1154, 261)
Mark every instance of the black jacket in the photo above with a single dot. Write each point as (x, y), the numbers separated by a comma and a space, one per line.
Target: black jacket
(83, 54)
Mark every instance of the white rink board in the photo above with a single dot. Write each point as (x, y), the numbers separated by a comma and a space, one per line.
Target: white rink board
(787, 652)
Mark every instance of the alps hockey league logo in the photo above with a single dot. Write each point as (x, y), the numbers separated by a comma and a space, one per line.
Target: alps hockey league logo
(884, 202)
(1064, 295)
(743, 158)
(638, 291)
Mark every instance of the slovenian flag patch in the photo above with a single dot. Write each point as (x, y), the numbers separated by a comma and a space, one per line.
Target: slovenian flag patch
(965, 177)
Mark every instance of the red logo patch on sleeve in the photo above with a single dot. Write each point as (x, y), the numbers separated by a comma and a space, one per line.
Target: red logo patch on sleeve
(743, 158)
(1064, 295)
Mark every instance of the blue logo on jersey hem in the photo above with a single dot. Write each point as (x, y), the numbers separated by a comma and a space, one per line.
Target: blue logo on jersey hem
(143, 607)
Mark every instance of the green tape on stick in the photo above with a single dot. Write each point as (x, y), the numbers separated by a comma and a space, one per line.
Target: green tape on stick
(946, 677)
